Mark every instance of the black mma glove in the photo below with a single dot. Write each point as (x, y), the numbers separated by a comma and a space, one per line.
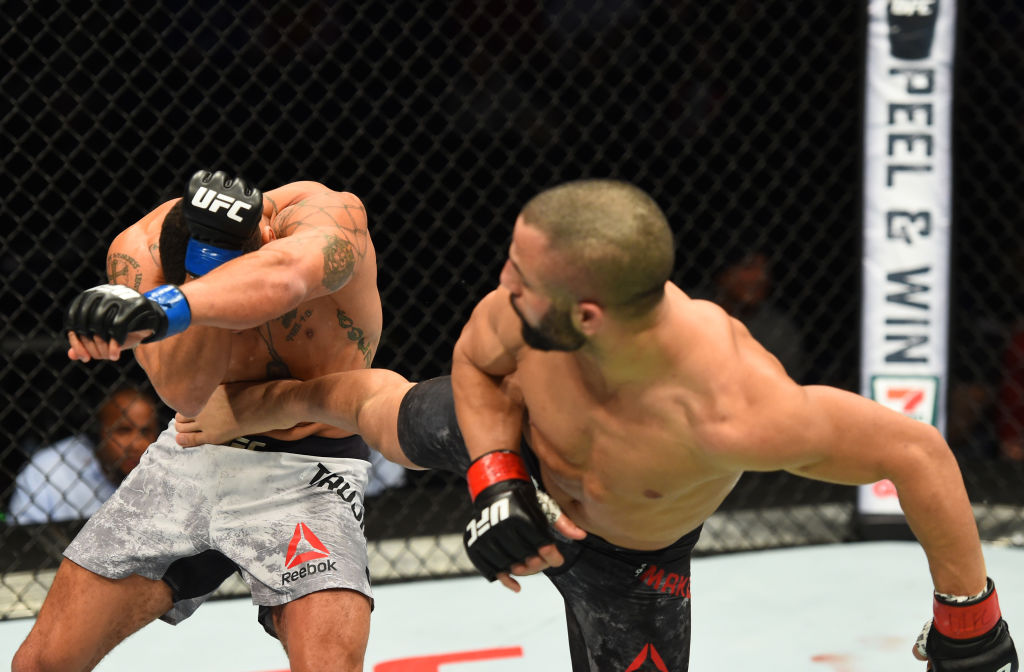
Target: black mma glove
(111, 311)
(968, 636)
(509, 524)
(222, 213)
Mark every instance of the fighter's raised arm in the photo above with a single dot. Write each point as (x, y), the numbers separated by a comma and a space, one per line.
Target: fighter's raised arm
(842, 437)
(490, 414)
(484, 357)
(284, 271)
(836, 436)
(248, 260)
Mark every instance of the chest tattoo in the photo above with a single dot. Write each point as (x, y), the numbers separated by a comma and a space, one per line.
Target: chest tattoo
(276, 367)
(356, 335)
(293, 320)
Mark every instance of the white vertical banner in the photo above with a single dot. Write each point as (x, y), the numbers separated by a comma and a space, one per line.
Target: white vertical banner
(907, 214)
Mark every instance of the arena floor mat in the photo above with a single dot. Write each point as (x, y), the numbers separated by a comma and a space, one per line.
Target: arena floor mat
(854, 607)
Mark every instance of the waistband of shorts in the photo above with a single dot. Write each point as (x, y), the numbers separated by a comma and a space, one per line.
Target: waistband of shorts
(681, 547)
(315, 446)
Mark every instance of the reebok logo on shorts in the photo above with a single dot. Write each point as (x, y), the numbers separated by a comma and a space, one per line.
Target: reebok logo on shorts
(304, 547)
(648, 653)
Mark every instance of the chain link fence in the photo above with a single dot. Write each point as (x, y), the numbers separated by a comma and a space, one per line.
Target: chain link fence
(742, 119)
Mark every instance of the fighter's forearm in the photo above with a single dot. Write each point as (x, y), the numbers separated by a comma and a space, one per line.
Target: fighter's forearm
(185, 369)
(488, 418)
(326, 400)
(249, 291)
(939, 513)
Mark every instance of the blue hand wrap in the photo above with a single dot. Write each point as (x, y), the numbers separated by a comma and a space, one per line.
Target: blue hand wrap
(201, 258)
(174, 305)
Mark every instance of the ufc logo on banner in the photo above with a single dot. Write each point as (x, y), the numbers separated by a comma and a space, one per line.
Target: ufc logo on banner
(914, 8)
(492, 515)
(207, 199)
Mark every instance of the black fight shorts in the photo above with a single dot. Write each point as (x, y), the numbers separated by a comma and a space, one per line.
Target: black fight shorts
(625, 610)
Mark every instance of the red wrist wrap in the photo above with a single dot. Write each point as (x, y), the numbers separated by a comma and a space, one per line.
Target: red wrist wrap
(966, 621)
(489, 468)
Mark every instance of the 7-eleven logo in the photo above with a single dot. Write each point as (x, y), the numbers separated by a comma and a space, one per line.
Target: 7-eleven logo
(304, 547)
(914, 396)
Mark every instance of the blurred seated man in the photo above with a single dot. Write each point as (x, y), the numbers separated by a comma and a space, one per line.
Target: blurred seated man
(70, 479)
(743, 289)
(1010, 403)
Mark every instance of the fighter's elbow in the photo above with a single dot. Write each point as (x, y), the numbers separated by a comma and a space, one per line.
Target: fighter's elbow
(288, 290)
(182, 397)
(284, 282)
(929, 454)
(933, 445)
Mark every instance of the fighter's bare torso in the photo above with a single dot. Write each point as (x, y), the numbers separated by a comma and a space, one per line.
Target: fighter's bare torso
(632, 465)
(335, 332)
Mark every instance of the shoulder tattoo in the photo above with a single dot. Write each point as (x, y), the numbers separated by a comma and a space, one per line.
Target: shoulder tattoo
(124, 269)
(339, 262)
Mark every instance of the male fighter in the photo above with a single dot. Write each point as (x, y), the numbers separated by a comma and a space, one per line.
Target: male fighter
(636, 408)
(235, 286)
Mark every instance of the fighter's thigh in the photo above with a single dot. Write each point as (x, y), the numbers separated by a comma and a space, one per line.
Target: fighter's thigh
(86, 615)
(325, 630)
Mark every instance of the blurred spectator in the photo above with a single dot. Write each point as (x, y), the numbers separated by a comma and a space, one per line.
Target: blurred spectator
(1010, 406)
(70, 479)
(969, 428)
(743, 289)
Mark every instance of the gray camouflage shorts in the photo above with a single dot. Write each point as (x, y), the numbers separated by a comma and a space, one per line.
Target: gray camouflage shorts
(291, 524)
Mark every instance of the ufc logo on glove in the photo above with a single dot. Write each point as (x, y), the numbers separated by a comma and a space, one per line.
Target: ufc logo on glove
(208, 199)
(492, 515)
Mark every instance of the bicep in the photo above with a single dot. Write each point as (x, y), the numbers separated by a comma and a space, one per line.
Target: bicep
(837, 436)
(485, 342)
(325, 233)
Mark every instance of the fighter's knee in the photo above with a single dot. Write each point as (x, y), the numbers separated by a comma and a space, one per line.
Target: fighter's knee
(22, 663)
(387, 384)
(29, 658)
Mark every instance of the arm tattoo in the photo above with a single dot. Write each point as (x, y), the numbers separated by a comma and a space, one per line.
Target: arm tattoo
(339, 262)
(274, 210)
(123, 269)
(346, 240)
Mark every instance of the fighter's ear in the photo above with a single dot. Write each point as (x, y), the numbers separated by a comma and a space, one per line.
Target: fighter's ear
(589, 317)
(268, 234)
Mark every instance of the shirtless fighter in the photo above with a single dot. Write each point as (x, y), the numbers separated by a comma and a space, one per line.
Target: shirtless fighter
(636, 408)
(235, 286)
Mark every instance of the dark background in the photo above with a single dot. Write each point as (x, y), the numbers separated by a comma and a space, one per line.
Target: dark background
(742, 119)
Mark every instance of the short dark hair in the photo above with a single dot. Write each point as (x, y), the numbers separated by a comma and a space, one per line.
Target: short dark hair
(173, 244)
(615, 238)
(174, 237)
